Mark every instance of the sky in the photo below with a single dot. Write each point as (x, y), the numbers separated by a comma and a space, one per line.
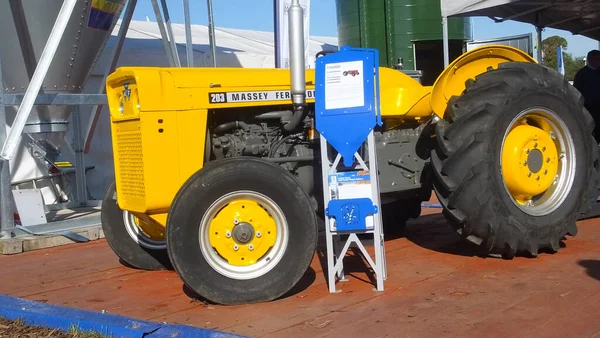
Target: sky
(258, 15)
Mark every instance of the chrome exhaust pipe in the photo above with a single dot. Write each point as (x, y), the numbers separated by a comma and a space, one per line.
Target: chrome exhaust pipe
(297, 62)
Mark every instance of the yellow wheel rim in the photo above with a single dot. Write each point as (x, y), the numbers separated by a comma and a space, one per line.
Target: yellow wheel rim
(243, 234)
(538, 161)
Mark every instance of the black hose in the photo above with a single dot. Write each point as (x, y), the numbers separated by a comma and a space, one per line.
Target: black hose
(283, 115)
(296, 119)
(229, 125)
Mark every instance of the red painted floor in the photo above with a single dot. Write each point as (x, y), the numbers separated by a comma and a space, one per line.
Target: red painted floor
(435, 288)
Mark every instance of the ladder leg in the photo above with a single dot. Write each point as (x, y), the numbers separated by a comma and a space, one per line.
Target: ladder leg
(340, 255)
(330, 260)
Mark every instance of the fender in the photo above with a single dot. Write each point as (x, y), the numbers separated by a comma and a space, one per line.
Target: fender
(451, 81)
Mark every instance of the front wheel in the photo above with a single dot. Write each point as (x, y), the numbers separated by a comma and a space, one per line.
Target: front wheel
(241, 230)
(126, 236)
(514, 160)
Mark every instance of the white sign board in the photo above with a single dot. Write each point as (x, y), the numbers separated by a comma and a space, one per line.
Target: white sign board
(282, 32)
(344, 85)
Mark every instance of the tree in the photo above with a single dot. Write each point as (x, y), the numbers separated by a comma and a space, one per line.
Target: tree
(572, 65)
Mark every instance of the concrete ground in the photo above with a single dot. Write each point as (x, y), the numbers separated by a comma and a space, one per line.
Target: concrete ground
(436, 287)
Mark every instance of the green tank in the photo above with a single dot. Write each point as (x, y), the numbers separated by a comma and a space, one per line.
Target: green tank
(410, 30)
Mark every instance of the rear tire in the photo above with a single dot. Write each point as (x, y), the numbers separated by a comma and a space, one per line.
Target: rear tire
(152, 256)
(221, 211)
(470, 182)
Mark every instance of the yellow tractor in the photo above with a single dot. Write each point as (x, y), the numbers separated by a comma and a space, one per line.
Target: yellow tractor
(215, 171)
(215, 168)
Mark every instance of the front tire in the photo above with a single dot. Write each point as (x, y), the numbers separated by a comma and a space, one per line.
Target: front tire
(127, 240)
(514, 160)
(241, 230)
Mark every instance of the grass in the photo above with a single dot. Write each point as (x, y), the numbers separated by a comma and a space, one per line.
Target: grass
(16, 328)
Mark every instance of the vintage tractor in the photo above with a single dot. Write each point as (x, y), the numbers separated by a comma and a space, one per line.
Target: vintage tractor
(216, 170)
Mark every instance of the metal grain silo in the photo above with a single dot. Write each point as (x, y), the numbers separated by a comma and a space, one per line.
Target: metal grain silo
(25, 26)
(406, 29)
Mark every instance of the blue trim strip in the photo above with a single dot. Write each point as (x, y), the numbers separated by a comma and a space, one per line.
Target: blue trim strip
(63, 318)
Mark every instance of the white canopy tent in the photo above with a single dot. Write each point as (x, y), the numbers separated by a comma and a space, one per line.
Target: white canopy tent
(581, 17)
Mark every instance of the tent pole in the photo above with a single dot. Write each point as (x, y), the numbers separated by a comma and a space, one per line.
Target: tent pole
(445, 41)
(211, 33)
(7, 218)
(189, 48)
(540, 55)
(163, 33)
(538, 29)
(170, 34)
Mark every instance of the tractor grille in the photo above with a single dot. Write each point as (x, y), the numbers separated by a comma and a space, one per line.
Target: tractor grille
(131, 161)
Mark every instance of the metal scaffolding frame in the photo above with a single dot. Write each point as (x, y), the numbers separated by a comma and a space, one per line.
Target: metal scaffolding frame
(81, 144)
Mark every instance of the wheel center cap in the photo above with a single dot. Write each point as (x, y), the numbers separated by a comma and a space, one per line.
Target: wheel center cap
(243, 232)
(535, 160)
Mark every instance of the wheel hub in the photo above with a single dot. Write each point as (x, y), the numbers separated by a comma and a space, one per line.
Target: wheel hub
(535, 161)
(243, 233)
(529, 162)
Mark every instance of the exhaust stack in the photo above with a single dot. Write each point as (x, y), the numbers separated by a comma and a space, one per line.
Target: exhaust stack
(297, 62)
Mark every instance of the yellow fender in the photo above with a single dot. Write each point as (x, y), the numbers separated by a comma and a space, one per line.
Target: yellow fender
(402, 95)
(452, 80)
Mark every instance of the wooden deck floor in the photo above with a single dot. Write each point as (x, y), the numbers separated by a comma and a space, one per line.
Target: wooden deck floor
(436, 287)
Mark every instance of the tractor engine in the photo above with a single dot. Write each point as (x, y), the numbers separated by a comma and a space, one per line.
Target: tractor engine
(232, 139)
(263, 135)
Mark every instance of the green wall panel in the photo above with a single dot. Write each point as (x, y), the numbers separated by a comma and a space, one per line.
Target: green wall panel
(391, 26)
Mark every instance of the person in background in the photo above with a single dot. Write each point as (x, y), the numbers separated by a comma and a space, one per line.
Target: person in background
(587, 81)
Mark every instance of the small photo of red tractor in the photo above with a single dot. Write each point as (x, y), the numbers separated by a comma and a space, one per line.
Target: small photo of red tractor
(351, 72)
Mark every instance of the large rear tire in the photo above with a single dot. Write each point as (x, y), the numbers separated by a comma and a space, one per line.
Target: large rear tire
(127, 239)
(241, 230)
(514, 160)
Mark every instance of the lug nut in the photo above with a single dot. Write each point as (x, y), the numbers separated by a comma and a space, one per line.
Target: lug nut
(235, 247)
(235, 221)
(525, 163)
(529, 174)
(258, 234)
(545, 171)
(250, 247)
(537, 178)
(544, 148)
(535, 144)
(228, 234)
(527, 150)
